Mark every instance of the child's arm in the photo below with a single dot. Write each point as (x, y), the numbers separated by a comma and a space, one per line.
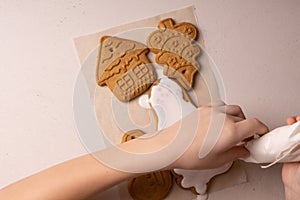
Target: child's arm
(74, 179)
(85, 176)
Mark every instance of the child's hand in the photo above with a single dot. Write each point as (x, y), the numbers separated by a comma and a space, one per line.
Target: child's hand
(234, 130)
(291, 173)
(292, 120)
(215, 132)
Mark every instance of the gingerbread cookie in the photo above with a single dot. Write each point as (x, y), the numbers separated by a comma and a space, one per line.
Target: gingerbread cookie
(123, 66)
(185, 28)
(178, 180)
(176, 51)
(197, 180)
(177, 67)
(151, 186)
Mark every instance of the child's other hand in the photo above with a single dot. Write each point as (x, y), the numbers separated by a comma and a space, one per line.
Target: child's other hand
(291, 172)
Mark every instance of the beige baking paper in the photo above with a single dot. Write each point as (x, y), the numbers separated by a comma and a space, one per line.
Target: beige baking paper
(102, 97)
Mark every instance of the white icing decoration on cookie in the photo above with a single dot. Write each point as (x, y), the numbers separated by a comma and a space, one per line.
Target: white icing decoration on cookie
(280, 145)
(200, 178)
(143, 101)
(166, 99)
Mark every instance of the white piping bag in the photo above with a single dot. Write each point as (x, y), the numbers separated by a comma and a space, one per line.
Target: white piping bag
(279, 145)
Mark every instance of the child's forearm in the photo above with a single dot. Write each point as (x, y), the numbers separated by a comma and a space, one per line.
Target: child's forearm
(177, 146)
(82, 177)
(79, 178)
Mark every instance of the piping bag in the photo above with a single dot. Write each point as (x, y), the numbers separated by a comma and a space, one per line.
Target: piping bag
(279, 145)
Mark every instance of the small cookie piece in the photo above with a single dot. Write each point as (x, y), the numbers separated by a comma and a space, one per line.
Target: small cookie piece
(124, 67)
(175, 50)
(151, 186)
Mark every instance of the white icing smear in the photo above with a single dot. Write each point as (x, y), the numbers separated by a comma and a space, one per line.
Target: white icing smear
(144, 102)
(280, 145)
(167, 101)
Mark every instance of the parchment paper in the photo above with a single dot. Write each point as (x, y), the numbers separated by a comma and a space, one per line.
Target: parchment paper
(102, 99)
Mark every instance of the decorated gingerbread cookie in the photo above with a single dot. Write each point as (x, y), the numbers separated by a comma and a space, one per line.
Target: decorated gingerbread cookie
(197, 180)
(166, 99)
(176, 50)
(124, 67)
(185, 28)
(151, 186)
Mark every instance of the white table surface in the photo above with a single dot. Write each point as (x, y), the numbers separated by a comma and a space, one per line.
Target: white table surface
(255, 44)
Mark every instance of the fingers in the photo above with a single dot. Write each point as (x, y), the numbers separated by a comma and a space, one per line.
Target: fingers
(242, 128)
(216, 104)
(234, 118)
(249, 127)
(291, 120)
(234, 153)
(234, 111)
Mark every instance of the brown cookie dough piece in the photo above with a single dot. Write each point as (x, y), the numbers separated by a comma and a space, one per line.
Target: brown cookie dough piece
(151, 186)
(175, 49)
(124, 67)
